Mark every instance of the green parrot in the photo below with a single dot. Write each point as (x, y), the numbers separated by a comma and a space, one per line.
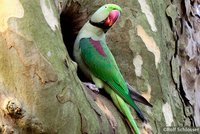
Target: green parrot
(98, 64)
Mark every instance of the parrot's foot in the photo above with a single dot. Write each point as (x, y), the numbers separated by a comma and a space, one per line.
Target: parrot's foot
(91, 86)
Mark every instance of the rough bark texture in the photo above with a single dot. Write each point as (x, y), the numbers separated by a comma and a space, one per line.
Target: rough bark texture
(155, 44)
(188, 44)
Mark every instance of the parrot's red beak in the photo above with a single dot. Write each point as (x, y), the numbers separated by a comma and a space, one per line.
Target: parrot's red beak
(112, 17)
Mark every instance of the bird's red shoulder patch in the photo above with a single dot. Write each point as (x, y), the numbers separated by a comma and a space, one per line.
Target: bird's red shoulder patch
(97, 45)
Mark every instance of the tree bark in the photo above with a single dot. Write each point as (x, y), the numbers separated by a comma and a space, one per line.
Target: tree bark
(41, 93)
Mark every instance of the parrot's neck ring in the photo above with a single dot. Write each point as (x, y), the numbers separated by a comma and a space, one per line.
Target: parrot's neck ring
(100, 25)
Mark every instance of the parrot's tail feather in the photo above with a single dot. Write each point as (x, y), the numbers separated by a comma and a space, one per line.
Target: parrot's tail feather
(127, 98)
(123, 107)
(137, 97)
(140, 114)
(72, 19)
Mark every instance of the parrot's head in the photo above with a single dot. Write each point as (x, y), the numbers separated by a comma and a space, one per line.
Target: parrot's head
(105, 16)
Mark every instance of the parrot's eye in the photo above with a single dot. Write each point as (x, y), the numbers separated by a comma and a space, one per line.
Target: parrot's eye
(105, 6)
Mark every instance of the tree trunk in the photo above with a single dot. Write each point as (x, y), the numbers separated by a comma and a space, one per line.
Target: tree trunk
(153, 44)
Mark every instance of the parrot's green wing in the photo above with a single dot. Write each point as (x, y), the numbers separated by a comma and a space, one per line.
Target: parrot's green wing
(98, 58)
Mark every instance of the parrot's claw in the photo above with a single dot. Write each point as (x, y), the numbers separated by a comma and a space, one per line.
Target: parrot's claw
(91, 86)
